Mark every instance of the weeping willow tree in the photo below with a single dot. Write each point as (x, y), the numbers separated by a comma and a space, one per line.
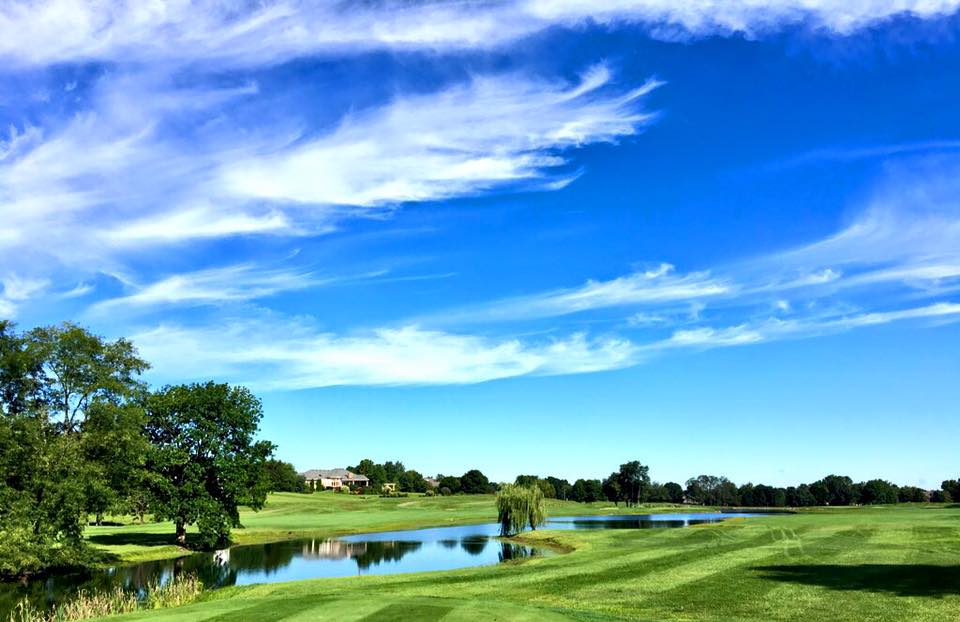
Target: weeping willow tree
(518, 507)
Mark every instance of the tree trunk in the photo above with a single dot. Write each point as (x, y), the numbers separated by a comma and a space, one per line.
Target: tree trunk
(181, 533)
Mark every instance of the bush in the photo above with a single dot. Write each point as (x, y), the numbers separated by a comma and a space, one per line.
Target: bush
(446, 492)
(429, 493)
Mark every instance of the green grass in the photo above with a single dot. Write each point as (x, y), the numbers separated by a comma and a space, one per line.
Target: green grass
(884, 563)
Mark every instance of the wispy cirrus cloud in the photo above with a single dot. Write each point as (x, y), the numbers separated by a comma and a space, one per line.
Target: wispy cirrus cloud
(283, 353)
(216, 286)
(466, 139)
(42, 32)
(776, 329)
(286, 353)
(657, 286)
(120, 175)
(15, 289)
(903, 245)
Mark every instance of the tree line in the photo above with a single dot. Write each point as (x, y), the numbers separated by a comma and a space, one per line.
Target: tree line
(631, 484)
(83, 437)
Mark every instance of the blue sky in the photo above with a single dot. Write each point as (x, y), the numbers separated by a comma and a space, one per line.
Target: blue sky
(520, 236)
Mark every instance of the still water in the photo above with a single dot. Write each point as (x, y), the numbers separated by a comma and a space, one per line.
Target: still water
(388, 552)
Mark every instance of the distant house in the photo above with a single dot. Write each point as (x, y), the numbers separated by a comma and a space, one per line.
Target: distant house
(334, 479)
(431, 482)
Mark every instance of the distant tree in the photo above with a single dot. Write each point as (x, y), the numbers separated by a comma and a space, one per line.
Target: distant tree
(674, 492)
(560, 486)
(283, 477)
(951, 488)
(835, 490)
(712, 490)
(800, 496)
(745, 495)
(578, 492)
(376, 473)
(594, 490)
(877, 491)
(519, 507)
(634, 480)
(413, 481)
(941, 496)
(451, 483)
(549, 492)
(911, 494)
(204, 459)
(393, 471)
(473, 482)
(611, 488)
(526, 480)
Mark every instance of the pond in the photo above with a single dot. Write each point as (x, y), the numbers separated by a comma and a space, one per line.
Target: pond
(389, 552)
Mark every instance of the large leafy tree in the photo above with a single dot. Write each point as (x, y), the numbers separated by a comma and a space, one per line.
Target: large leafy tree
(205, 461)
(69, 436)
(81, 369)
(634, 480)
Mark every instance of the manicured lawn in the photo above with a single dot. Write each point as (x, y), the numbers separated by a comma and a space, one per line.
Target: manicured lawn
(884, 563)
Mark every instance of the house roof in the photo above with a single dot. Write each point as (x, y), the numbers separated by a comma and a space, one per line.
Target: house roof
(334, 474)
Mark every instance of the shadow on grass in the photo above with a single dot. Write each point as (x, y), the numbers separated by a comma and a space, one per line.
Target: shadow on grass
(897, 579)
(139, 539)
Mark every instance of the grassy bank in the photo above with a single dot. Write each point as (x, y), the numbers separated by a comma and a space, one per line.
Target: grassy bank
(884, 563)
(289, 515)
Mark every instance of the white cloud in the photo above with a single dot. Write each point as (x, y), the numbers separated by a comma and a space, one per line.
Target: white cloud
(213, 287)
(114, 178)
(277, 353)
(774, 329)
(467, 139)
(283, 354)
(654, 287)
(15, 289)
(52, 31)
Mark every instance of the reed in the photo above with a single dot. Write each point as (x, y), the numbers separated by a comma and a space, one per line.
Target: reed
(87, 605)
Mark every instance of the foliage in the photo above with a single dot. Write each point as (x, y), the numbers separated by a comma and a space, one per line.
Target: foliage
(634, 480)
(412, 481)
(180, 590)
(673, 492)
(283, 477)
(82, 369)
(519, 507)
(204, 457)
(452, 484)
(711, 490)
(70, 440)
(950, 490)
(878, 491)
(561, 487)
(473, 482)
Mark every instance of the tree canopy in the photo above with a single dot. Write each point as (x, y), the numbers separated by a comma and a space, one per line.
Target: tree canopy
(205, 458)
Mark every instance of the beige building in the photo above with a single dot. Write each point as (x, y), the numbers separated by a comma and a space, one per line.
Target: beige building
(334, 479)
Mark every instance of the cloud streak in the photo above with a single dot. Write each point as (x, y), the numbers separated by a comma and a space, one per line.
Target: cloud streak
(120, 176)
(291, 354)
(42, 32)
